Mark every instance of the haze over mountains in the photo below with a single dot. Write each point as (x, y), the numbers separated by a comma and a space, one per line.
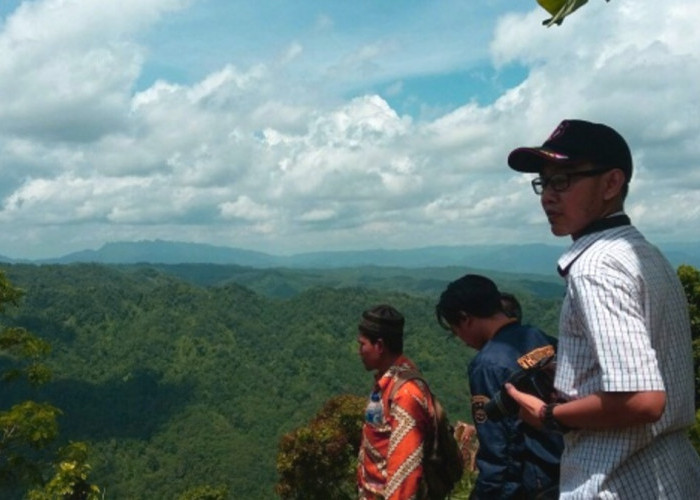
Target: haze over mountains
(529, 258)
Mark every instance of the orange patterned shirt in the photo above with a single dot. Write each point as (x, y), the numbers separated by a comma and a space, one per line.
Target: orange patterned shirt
(390, 461)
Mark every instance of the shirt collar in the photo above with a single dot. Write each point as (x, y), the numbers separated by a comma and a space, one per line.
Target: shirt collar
(402, 364)
(610, 226)
(613, 220)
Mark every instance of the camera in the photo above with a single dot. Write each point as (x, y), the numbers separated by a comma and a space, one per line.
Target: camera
(537, 379)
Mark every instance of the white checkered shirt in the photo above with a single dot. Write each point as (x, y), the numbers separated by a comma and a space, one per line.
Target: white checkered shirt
(624, 327)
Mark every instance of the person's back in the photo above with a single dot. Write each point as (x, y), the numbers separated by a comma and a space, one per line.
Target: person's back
(529, 464)
(514, 460)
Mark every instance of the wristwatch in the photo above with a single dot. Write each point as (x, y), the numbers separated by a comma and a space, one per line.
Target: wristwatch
(550, 423)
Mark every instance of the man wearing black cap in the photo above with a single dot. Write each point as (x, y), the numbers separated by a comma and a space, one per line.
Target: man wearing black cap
(514, 460)
(624, 358)
(397, 421)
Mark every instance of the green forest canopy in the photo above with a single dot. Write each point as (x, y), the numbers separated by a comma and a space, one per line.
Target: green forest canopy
(177, 384)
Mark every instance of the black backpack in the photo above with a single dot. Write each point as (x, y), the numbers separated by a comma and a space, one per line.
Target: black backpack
(443, 464)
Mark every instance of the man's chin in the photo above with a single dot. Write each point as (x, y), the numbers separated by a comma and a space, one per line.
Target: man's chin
(558, 231)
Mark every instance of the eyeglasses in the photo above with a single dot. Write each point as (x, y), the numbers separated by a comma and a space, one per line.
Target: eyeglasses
(561, 182)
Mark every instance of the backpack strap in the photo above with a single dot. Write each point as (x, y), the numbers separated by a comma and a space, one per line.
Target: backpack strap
(403, 376)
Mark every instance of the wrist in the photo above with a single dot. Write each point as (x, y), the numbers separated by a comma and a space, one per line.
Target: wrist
(549, 421)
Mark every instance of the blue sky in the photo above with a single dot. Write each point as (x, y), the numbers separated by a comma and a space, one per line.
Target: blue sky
(300, 126)
(436, 55)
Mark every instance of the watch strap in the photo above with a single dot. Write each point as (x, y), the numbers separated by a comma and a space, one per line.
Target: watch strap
(549, 422)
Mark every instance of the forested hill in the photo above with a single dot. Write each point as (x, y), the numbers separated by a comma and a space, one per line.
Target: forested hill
(531, 258)
(178, 377)
(286, 283)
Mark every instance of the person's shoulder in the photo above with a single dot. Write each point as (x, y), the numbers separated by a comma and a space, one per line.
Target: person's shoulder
(517, 334)
(414, 386)
(411, 392)
(625, 253)
(496, 355)
(405, 374)
(525, 338)
(538, 333)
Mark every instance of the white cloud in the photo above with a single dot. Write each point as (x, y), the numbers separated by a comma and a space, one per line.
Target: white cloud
(318, 215)
(246, 208)
(274, 150)
(638, 73)
(68, 66)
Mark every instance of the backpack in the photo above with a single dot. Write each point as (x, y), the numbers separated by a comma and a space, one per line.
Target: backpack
(443, 464)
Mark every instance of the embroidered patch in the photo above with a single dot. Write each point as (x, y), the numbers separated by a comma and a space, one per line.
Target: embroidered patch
(533, 357)
(559, 130)
(478, 411)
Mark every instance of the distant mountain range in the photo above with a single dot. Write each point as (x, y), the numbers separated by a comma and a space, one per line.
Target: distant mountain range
(530, 258)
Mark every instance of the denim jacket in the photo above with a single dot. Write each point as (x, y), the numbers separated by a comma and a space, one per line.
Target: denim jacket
(514, 460)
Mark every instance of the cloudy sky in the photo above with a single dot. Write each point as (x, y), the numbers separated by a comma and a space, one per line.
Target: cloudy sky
(293, 126)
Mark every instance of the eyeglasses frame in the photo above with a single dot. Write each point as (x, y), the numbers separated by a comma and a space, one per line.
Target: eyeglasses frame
(539, 184)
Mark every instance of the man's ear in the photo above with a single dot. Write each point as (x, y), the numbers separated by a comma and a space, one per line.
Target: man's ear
(380, 345)
(614, 181)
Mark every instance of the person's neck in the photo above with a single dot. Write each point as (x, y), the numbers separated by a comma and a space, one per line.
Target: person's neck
(612, 219)
(386, 363)
(495, 323)
(502, 321)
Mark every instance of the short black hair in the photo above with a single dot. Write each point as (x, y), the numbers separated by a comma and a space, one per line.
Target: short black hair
(471, 294)
(511, 306)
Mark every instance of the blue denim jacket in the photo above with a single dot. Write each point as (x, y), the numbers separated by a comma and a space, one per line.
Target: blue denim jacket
(514, 460)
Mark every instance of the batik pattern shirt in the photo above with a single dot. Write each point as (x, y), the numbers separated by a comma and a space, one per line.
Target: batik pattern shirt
(391, 453)
(624, 327)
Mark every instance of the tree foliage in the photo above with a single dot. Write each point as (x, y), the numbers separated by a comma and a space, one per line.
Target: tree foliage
(70, 477)
(318, 461)
(206, 492)
(28, 426)
(690, 279)
(183, 388)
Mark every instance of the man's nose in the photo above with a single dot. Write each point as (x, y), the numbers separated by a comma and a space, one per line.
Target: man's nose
(548, 194)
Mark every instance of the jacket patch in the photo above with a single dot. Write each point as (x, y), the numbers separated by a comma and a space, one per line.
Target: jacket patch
(478, 411)
(535, 356)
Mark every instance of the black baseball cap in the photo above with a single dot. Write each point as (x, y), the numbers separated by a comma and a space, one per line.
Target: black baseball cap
(574, 142)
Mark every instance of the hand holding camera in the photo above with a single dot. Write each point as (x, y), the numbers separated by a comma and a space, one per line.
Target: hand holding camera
(536, 377)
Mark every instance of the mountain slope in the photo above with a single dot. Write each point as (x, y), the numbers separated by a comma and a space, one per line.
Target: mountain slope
(527, 258)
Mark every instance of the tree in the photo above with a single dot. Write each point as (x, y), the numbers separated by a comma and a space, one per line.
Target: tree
(318, 461)
(69, 480)
(690, 279)
(695, 432)
(206, 492)
(29, 426)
